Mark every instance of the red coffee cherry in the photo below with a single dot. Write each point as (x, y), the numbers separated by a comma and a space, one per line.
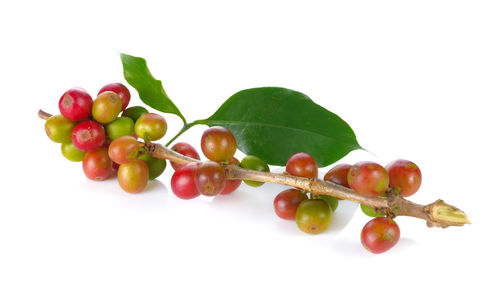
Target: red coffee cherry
(338, 174)
(368, 178)
(75, 104)
(97, 164)
(183, 181)
(120, 89)
(286, 203)
(88, 136)
(404, 177)
(233, 184)
(303, 165)
(210, 178)
(218, 144)
(380, 235)
(186, 150)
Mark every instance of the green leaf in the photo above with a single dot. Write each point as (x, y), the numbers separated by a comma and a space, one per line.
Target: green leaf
(151, 92)
(273, 123)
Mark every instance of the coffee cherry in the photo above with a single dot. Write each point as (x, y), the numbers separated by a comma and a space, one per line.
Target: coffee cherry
(119, 89)
(186, 150)
(370, 211)
(121, 126)
(134, 112)
(97, 165)
(70, 152)
(404, 177)
(88, 136)
(124, 149)
(75, 104)
(368, 179)
(380, 235)
(303, 165)
(333, 202)
(106, 107)
(338, 174)
(183, 181)
(155, 166)
(218, 144)
(210, 178)
(59, 129)
(133, 176)
(252, 162)
(232, 184)
(313, 216)
(286, 203)
(150, 127)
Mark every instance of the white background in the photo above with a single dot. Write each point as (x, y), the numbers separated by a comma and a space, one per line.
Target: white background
(414, 79)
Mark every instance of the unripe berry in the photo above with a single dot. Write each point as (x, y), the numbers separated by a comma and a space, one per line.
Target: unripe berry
(119, 89)
(133, 176)
(150, 127)
(70, 152)
(218, 144)
(303, 165)
(75, 104)
(252, 162)
(313, 216)
(59, 129)
(134, 112)
(106, 107)
(88, 136)
(368, 179)
(121, 126)
(155, 166)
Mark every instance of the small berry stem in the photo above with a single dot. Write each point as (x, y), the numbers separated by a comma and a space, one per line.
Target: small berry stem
(437, 214)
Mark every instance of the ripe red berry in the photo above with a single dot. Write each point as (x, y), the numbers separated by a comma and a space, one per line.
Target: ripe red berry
(75, 104)
(120, 89)
(88, 136)
(338, 174)
(380, 234)
(218, 144)
(124, 149)
(303, 165)
(233, 184)
(404, 177)
(97, 165)
(186, 150)
(183, 181)
(210, 178)
(368, 178)
(133, 176)
(286, 203)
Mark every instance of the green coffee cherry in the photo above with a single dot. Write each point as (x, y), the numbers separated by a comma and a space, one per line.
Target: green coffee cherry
(59, 129)
(252, 162)
(134, 112)
(370, 211)
(155, 166)
(122, 126)
(70, 152)
(333, 202)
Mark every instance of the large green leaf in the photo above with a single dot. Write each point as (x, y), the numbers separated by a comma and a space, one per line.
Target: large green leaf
(151, 92)
(273, 123)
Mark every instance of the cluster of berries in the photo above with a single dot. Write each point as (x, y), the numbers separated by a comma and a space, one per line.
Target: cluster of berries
(91, 131)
